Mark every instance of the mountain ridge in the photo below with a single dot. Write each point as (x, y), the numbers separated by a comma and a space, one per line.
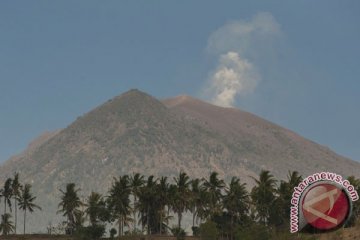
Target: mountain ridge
(135, 132)
(222, 119)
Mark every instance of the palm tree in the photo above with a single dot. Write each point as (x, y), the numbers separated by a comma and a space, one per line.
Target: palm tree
(263, 195)
(236, 201)
(119, 201)
(214, 187)
(356, 205)
(80, 218)
(6, 226)
(96, 208)
(181, 198)
(7, 193)
(202, 209)
(136, 182)
(163, 200)
(26, 202)
(281, 207)
(16, 190)
(195, 204)
(294, 179)
(147, 205)
(1, 193)
(69, 205)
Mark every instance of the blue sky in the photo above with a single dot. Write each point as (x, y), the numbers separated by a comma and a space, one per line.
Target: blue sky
(295, 63)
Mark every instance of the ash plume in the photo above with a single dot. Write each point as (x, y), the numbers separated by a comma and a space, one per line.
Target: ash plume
(235, 74)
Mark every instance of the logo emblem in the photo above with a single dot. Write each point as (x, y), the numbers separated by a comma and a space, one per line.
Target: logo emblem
(326, 206)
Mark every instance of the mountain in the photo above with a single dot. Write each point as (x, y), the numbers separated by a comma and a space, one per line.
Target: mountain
(260, 144)
(135, 132)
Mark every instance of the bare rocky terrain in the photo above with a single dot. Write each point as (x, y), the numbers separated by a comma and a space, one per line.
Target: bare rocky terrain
(136, 132)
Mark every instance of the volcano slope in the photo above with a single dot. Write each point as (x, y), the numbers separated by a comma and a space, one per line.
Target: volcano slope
(135, 132)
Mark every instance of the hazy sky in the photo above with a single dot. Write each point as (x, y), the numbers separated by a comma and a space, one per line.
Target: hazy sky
(295, 63)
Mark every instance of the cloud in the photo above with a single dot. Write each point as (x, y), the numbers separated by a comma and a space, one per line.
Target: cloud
(242, 36)
(234, 44)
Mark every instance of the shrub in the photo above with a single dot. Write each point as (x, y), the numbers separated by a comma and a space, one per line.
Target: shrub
(90, 232)
(196, 231)
(112, 233)
(254, 231)
(179, 233)
(209, 231)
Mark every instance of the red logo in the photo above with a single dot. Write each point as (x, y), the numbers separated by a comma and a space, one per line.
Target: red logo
(325, 206)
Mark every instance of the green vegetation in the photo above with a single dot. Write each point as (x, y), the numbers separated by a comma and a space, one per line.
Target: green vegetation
(179, 233)
(69, 206)
(6, 226)
(140, 205)
(26, 202)
(23, 200)
(209, 231)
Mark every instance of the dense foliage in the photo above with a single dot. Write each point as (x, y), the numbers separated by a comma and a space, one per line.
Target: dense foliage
(14, 191)
(140, 205)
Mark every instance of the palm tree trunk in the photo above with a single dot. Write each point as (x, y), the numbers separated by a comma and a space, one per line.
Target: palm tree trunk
(122, 226)
(231, 227)
(4, 205)
(72, 224)
(142, 222)
(24, 221)
(134, 214)
(179, 219)
(148, 220)
(160, 222)
(15, 214)
(119, 235)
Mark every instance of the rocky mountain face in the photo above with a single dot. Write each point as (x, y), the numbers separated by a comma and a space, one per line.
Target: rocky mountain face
(135, 132)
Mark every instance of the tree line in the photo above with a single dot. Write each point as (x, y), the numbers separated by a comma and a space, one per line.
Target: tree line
(138, 205)
(18, 196)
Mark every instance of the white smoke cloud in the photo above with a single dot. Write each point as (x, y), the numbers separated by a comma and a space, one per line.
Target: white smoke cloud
(235, 75)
